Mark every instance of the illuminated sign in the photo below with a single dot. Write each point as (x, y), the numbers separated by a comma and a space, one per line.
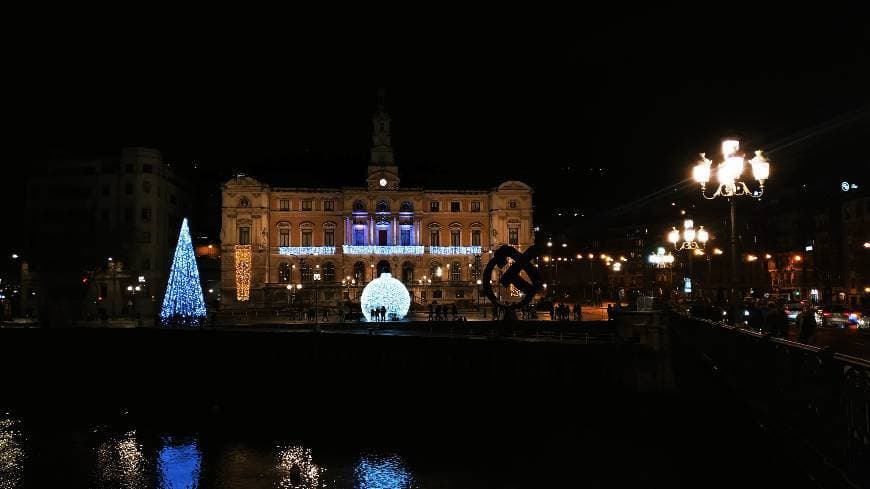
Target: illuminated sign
(306, 250)
(454, 250)
(382, 250)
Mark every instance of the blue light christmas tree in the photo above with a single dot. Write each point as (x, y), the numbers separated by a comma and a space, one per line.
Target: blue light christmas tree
(183, 304)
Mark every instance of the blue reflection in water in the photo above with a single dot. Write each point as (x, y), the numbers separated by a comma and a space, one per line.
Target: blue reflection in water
(382, 472)
(179, 462)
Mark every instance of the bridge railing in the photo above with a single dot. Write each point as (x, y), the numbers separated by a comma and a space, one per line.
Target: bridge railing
(814, 399)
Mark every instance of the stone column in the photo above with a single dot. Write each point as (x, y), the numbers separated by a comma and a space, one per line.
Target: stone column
(371, 231)
(395, 230)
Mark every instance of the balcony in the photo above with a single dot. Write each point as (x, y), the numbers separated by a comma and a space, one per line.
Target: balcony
(454, 250)
(382, 250)
(306, 250)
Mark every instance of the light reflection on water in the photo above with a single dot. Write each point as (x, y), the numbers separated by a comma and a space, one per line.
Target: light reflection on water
(382, 471)
(132, 459)
(120, 462)
(297, 469)
(179, 463)
(11, 452)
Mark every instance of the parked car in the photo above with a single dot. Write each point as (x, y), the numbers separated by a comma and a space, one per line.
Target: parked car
(838, 316)
(792, 309)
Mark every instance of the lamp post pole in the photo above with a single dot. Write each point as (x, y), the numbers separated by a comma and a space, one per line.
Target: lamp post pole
(316, 298)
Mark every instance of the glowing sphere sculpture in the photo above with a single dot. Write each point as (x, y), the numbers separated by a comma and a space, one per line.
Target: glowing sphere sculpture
(388, 292)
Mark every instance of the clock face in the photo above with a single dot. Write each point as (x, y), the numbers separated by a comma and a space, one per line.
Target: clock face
(845, 186)
(383, 182)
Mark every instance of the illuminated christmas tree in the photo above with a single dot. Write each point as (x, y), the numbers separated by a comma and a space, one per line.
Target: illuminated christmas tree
(183, 304)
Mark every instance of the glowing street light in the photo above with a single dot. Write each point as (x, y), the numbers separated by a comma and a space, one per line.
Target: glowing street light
(691, 239)
(731, 185)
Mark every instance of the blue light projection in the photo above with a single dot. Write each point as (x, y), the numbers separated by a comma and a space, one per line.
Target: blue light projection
(388, 292)
(178, 464)
(183, 304)
(306, 250)
(382, 250)
(454, 250)
(382, 472)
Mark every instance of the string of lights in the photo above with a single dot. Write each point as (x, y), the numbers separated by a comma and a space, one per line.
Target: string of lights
(243, 272)
(306, 250)
(454, 250)
(382, 250)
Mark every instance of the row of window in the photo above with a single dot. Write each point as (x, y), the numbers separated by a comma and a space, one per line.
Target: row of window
(307, 205)
(359, 237)
(382, 206)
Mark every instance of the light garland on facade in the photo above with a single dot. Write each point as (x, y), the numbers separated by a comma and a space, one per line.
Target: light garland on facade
(243, 272)
(183, 304)
(306, 250)
(388, 292)
(382, 250)
(454, 250)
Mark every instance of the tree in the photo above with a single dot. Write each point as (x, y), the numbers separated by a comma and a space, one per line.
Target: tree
(183, 304)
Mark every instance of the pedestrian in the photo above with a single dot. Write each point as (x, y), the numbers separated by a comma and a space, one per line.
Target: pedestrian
(552, 312)
(776, 323)
(578, 312)
(455, 311)
(372, 315)
(431, 311)
(806, 326)
(325, 316)
(383, 313)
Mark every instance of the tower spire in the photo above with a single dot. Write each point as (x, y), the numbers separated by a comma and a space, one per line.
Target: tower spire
(383, 173)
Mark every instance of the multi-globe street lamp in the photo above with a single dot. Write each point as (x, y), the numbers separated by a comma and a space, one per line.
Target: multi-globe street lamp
(731, 185)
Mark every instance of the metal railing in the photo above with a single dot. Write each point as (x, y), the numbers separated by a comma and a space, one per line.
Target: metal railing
(817, 401)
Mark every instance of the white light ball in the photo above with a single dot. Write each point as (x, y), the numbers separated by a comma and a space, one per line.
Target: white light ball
(388, 292)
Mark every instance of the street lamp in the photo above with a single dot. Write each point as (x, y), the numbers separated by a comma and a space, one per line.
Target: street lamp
(316, 297)
(692, 239)
(731, 186)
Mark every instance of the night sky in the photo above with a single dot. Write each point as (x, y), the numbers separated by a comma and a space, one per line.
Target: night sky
(634, 98)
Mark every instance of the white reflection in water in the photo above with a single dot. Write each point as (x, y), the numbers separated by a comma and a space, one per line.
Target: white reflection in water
(120, 462)
(11, 452)
(297, 469)
(382, 472)
(179, 462)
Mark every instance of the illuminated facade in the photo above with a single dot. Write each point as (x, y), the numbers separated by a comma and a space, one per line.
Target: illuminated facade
(359, 232)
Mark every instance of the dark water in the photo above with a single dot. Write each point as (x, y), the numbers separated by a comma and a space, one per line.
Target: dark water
(647, 444)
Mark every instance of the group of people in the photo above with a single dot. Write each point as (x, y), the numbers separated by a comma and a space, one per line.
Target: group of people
(770, 318)
(564, 312)
(439, 312)
(378, 314)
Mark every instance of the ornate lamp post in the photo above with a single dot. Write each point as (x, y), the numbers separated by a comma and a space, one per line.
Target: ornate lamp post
(731, 185)
(689, 239)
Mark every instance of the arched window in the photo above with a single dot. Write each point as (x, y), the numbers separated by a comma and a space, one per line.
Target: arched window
(435, 271)
(306, 230)
(455, 234)
(359, 271)
(283, 233)
(476, 268)
(456, 271)
(329, 233)
(283, 272)
(383, 206)
(328, 272)
(408, 272)
(359, 205)
(383, 267)
(434, 234)
(406, 206)
(305, 272)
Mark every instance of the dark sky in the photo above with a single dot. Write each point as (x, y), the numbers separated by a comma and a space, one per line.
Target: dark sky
(637, 94)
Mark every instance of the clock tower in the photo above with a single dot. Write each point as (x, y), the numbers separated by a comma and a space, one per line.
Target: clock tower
(383, 174)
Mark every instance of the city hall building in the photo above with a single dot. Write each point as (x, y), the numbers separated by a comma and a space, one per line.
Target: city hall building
(280, 245)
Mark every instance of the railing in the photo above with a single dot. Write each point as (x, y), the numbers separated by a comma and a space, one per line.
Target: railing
(816, 400)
